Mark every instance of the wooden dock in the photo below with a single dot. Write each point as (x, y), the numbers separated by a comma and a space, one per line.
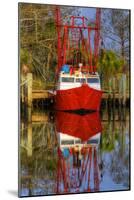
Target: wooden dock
(39, 117)
(28, 94)
(41, 94)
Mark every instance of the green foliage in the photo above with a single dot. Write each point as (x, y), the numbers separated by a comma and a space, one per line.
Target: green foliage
(107, 143)
(109, 64)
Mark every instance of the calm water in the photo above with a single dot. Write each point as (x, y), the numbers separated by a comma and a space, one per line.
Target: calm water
(71, 153)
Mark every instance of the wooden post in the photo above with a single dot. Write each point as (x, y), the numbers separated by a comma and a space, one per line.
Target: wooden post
(113, 88)
(124, 89)
(29, 140)
(29, 88)
(22, 89)
(113, 105)
(29, 114)
(109, 97)
(120, 90)
(22, 134)
(29, 95)
(119, 97)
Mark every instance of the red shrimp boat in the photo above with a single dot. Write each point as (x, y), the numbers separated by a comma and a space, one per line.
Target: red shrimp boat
(79, 95)
(78, 83)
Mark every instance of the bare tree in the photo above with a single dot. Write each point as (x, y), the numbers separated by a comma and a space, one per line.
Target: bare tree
(115, 31)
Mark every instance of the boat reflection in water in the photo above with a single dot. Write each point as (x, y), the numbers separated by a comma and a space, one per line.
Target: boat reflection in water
(78, 139)
(67, 153)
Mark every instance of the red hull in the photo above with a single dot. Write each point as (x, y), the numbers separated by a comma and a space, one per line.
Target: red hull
(83, 97)
(79, 126)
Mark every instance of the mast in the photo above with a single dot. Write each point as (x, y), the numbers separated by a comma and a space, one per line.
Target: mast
(59, 38)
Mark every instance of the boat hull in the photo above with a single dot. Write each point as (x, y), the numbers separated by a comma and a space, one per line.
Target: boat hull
(83, 97)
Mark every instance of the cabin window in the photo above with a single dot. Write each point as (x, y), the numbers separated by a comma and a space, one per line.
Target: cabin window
(78, 142)
(67, 142)
(92, 80)
(83, 80)
(92, 141)
(80, 80)
(67, 79)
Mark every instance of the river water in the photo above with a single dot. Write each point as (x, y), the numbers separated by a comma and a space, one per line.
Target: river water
(71, 153)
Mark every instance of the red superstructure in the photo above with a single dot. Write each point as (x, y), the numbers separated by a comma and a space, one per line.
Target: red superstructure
(78, 47)
(73, 36)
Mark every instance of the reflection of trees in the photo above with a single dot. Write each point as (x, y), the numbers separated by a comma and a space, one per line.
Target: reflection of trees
(38, 172)
(114, 130)
(120, 158)
(43, 136)
(115, 149)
